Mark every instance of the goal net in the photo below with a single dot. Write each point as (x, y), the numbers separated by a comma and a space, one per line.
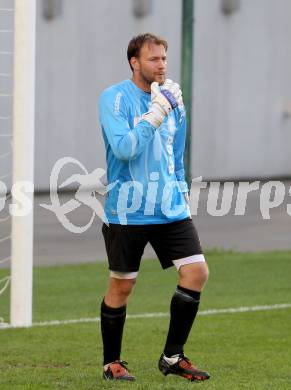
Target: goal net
(17, 75)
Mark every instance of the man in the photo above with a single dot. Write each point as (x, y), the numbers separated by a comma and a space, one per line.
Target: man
(143, 126)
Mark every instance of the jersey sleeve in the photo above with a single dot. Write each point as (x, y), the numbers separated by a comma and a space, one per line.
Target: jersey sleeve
(179, 147)
(126, 143)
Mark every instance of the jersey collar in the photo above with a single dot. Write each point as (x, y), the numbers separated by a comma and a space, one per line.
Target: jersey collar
(138, 90)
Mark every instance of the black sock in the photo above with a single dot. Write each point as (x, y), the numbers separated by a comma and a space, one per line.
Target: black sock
(112, 322)
(184, 307)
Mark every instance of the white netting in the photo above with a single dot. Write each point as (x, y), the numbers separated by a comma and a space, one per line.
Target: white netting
(6, 88)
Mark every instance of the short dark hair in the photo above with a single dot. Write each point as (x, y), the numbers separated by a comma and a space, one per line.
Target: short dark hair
(137, 43)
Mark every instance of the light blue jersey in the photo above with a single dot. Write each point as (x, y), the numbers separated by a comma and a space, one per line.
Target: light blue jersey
(145, 164)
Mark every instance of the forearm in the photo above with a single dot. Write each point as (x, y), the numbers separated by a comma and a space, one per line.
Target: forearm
(128, 146)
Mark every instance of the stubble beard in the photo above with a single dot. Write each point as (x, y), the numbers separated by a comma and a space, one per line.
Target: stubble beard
(148, 80)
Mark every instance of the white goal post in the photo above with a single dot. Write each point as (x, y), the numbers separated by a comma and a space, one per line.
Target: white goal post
(23, 159)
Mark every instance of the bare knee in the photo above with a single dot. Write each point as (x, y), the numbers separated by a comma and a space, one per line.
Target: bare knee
(124, 286)
(193, 276)
(119, 291)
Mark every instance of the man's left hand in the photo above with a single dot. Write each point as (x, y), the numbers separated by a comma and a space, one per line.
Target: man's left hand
(175, 90)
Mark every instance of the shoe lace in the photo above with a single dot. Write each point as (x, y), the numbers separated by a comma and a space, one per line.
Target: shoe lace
(123, 363)
(119, 367)
(185, 362)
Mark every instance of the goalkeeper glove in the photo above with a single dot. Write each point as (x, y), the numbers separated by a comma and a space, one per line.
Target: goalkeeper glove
(163, 100)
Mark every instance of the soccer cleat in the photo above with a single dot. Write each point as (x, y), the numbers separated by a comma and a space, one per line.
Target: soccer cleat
(117, 371)
(183, 367)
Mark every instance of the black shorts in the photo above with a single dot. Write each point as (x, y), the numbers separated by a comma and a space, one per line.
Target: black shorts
(171, 241)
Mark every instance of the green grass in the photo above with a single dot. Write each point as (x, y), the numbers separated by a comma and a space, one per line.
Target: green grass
(241, 351)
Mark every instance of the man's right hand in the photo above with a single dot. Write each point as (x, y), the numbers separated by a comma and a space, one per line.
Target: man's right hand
(163, 100)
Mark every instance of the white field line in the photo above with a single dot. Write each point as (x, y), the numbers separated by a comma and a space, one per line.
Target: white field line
(231, 310)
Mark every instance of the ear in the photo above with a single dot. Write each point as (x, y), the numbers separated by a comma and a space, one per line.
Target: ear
(134, 63)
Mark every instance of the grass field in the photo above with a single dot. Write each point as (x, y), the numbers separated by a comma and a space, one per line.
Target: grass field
(250, 350)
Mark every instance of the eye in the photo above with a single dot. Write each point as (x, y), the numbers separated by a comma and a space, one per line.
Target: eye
(157, 59)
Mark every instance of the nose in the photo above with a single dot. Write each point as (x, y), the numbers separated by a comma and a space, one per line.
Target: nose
(161, 64)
